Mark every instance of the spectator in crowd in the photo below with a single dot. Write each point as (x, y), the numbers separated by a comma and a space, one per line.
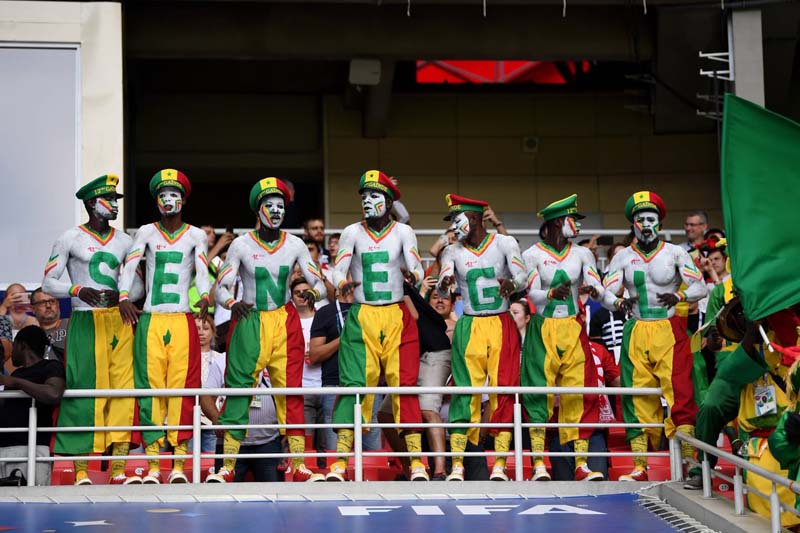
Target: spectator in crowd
(17, 306)
(695, 226)
(521, 312)
(312, 372)
(48, 314)
(207, 333)
(268, 332)
(166, 352)
(557, 351)
(314, 229)
(44, 381)
(258, 440)
(314, 249)
(657, 350)
(382, 335)
(485, 343)
(333, 246)
(6, 346)
(100, 346)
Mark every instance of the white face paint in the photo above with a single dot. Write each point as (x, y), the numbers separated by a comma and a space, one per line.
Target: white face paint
(646, 226)
(460, 226)
(272, 211)
(169, 200)
(571, 227)
(373, 203)
(106, 208)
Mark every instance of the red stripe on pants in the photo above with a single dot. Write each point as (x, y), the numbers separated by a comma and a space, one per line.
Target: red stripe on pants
(684, 410)
(295, 353)
(192, 378)
(409, 368)
(507, 371)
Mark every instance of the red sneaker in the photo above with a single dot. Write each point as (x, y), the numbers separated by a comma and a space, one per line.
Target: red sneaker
(637, 474)
(304, 474)
(584, 473)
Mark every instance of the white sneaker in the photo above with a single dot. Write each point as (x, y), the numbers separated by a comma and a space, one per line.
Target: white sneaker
(540, 474)
(419, 472)
(152, 478)
(177, 476)
(84, 481)
(456, 473)
(337, 472)
(223, 476)
(498, 473)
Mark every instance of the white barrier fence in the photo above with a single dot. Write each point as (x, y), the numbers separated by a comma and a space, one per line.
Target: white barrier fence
(358, 453)
(739, 489)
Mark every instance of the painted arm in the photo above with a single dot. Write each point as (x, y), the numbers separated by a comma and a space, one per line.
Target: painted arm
(313, 274)
(344, 257)
(55, 268)
(611, 285)
(226, 280)
(695, 287)
(515, 263)
(201, 278)
(534, 281)
(411, 255)
(447, 271)
(128, 275)
(591, 277)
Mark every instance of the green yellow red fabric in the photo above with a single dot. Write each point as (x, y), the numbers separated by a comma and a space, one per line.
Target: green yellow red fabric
(484, 347)
(557, 354)
(101, 186)
(271, 340)
(166, 355)
(99, 355)
(642, 200)
(267, 186)
(379, 338)
(375, 179)
(169, 177)
(657, 353)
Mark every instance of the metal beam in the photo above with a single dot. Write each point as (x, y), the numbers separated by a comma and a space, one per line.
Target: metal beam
(315, 31)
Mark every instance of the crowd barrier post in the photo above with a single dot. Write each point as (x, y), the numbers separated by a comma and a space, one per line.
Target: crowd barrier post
(32, 427)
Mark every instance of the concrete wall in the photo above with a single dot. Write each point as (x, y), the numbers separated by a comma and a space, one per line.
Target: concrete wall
(472, 145)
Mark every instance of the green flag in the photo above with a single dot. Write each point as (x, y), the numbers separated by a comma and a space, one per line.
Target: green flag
(761, 201)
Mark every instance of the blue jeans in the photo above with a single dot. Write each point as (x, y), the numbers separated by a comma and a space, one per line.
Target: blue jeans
(371, 440)
(208, 441)
(564, 467)
(263, 469)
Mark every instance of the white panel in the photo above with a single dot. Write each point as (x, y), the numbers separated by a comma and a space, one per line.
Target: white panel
(38, 156)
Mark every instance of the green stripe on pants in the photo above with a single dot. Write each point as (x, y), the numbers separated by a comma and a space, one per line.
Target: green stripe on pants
(626, 380)
(352, 365)
(460, 403)
(141, 379)
(243, 354)
(534, 355)
(81, 374)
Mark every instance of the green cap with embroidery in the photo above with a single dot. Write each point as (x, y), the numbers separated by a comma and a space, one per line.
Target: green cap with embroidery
(560, 208)
(99, 187)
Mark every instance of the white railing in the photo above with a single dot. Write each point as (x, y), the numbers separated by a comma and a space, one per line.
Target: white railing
(517, 424)
(739, 488)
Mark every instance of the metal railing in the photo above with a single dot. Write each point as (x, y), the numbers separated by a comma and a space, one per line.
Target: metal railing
(358, 426)
(739, 488)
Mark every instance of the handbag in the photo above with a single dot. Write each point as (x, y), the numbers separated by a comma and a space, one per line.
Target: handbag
(15, 479)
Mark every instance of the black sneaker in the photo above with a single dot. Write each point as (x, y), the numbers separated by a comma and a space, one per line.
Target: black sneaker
(695, 482)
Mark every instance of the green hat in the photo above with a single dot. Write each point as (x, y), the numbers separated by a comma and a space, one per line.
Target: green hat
(98, 187)
(559, 208)
(266, 187)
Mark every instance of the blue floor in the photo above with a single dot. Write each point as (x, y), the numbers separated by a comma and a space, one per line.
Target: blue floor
(618, 512)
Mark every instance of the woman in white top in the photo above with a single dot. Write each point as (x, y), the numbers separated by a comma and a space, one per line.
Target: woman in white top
(207, 333)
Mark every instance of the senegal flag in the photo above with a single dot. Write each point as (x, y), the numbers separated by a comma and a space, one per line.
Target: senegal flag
(761, 201)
